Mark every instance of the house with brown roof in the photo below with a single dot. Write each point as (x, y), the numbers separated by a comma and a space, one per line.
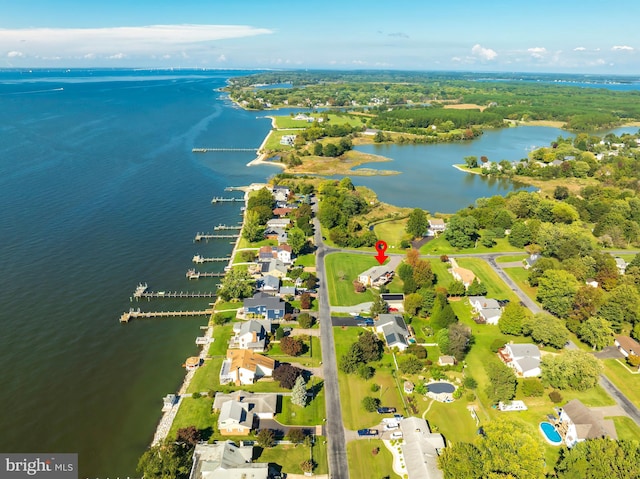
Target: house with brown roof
(627, 346)
(579, 423)
(464, 275)
(243, 366)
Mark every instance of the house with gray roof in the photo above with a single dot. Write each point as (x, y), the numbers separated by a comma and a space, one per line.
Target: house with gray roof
(420, 449)
(488, 309)
(265, 305)
(269, 283)
(225, 460)
(531, 260)
(235, 419)
(524, 359)
(251, 335)
(376, 275)
(261, 405)
(579, 423)
(394, 329)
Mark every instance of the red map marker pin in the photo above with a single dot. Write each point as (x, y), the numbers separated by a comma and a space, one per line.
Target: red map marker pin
(381, 247)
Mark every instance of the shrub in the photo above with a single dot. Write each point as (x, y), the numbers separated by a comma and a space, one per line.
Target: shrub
(279, 333)
(375, 451)
(633, 360)
(365, 371)
(219, 319)
(296, 435)
(532, 387)
(196, 395)
(375, 388)
(305, 320)
(411, 365)
(358, 287)
(457, 394)
(496, 345)
(469, 382)
(555, 396)
(418, 351)
(308, 465)
(470, 397)
(370, 404)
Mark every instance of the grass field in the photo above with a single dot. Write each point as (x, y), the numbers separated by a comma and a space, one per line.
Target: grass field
(288, 121)
(247, 244)
(311, 415)
(365, 465)
(353, 389)
(441, 246)
(519, 276)
(452, 420)
(626, 428)
(392, 232)
(510, 258)
(195, 412)
(273, 142)
(306, 260)
(289, 456)
(627, 382)
(342, 270)
(496, 288)
(221, 336)
(223, 305)
(311, 358)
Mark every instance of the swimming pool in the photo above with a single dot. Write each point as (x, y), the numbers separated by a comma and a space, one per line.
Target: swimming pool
(440, 387)
(550, 433)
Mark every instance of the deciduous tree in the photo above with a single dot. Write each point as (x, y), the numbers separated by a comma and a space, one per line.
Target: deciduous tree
(417, 224)
(502, 381)
(512, 319)
(291, 346)
(556, 291)
(597, 332)
(574, 369)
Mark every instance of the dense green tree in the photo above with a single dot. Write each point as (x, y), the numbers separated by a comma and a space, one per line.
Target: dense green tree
(423, 274)
(297, 239)
(412, 303)
(350, 361)
(253, 229)
(236, 284)
(547, 329)
(476, 288)
(417, 224)
(370, 404)
(444, 317)
(574, 369)
(513, 318)
(262, 197)
(296, 435)
(561, 193)
(556, 291)
(532, 387)
(305, 320)
(461, 460)
(600, 458)
(539, 268)
(460, 339)
(502, 381)
(286, 375)
(365, 371)
(379, 306)
(299, 392)
(462, 231)
(596, 332)
(371, 346)
(471, 161)
(621, 306)
(417, 350)
(166, 461)
(410, 365)
(456, 288)
(266, 438)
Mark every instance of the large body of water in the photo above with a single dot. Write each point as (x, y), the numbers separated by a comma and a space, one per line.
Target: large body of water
(99, 191)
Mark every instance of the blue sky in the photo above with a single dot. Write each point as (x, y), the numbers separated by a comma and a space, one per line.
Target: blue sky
(542, 36)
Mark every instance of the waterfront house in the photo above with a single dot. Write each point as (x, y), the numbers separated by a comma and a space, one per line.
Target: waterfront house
(269, 283)
(265, 305)
(283, 252)
(278, 223)
(376, 276)
(281, 193)
(437, 225)
(251, 335)
(275, 267)
(420, 449)
(261, 405)
(235, 419)
(486, 308)
(627, 346)
(524, 359)
(394, 329)
(225, 460)
(282, 212)
(243, 366)
(288, 140)
(578, 423)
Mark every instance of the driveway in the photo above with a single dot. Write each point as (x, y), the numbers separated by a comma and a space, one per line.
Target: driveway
(610, 352)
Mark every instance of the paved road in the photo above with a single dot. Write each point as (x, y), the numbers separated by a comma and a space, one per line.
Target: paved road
(622, 401)
(336, 442)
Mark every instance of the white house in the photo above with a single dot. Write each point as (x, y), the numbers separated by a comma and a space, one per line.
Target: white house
(251, 335)
(288, 140)
(627, 346)
(621, 264)
(235, 419)
(262, 405)
(437, 225)
(243, 366)
(578, 423)
(420, 449)
(524, 359)
(225, 460)
(487, 308)
(376, 276)
(394, 330)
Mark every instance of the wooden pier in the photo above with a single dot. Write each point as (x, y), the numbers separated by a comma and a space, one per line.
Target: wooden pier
(207, 150)
(200, 259)
(137, 314)
(141, 292)
(206, 236)
(220, 199)
(227, 227)
(193, 274)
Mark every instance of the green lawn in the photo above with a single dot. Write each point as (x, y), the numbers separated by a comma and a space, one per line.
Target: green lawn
(519, 276)
(287, 121)
(452, 420)
(311, 358)
(244, 243)
(365, 465)
(195, 412)
(208, 378)
(353, 389)
(440, 246)
(510, 258)
(224, 305)
(441, 270)
(342, 270)
(311, 415)
(273, 142)
(626, 428)
(392, 232)
(627, 382)
(290, 457)
(221, 336)
(306, 260)
(496, 288)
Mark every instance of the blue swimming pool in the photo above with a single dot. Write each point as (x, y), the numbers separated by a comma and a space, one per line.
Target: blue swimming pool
(441, 387)
(550, 433)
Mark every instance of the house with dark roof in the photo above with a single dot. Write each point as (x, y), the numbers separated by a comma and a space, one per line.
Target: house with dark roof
(265, 305)
(394, 329)
(531, 260)
(578, 423)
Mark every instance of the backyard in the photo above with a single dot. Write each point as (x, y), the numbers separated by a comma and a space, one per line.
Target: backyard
(342, 270)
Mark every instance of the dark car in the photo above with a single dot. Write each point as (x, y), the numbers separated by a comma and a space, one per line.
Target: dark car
(386, 410)
(367, 432)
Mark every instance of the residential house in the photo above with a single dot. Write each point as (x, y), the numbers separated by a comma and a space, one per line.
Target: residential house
(274, 267)
(235, 419)
(282, 252)
(488, 309)
(463, 274)
(437, 225)
(288, 291)
(243, 366)
(262, 405)
(394, 330)
(281, 193)
(621, 264)
(578, 423)
(251, 335)
(278, 234)
(282, 212)
(278, 223)
(627, 346)
(531, 260)
(370, 132)
(269, 283)
(288, 140)
(265, 305)
(524, 359)
(225, 460)
(446, 361)
(420, 449)
(376, 276)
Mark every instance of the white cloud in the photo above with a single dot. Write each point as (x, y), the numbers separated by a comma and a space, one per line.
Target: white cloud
(579, 49)
(222, 58)
(484, 53)
(626, 48)
(15, 54)
(537, 52)
(129, 41)
(90, 56)
(117, 56)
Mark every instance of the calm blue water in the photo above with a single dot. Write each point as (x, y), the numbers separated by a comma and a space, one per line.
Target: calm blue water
(99, 191)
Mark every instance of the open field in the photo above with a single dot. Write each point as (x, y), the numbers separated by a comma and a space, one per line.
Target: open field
(342, 270)
(342, 165)
(392, 232)
(288, 121)
(627, 382)
(311, 415)
(441, 246)
(195, 412)
(365, 465)
(452, 420)
(305, 260)
(496, 288)
(464, 106)
(353, 389)
(221, 336)
(273, 141)
(290, 456)
(311, 358)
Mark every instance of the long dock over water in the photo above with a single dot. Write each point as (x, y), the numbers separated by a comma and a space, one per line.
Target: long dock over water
(137, 314)
(200, 259)
(141, 292)
(207, 150)
(220, 199)
(193, 274)
(207, 236)
(227, 227)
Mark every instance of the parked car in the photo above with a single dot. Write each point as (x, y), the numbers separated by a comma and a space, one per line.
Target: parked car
(386, 410)
(396, 435)
(398, 417)
(391, 426)
(367, 432)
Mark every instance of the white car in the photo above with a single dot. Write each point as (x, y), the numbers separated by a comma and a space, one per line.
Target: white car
(391, 426)
(396, 435)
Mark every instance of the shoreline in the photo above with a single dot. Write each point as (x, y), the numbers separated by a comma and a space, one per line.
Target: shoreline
(459, 168)
(261, 159)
